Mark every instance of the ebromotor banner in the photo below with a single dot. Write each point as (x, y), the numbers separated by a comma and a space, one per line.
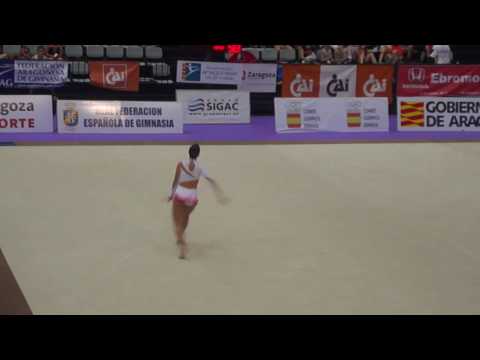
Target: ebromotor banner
(438, 80)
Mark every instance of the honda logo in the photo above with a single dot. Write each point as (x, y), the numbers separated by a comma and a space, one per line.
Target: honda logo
(416, 74)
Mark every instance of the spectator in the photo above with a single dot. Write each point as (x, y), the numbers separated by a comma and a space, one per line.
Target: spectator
(416, 53)
(392, 54)
(24, 53)
(300, 49)
(280, 47)
(340, 54)
(54, 52)
(325, 54)
(352, 53)
(41, 54)
(307, 54)
(242, 57)
(3, 55)
(385, 54)
(441, 54)
(367, 54)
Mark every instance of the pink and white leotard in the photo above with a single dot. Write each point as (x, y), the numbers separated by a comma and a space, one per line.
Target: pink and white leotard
(185, 195)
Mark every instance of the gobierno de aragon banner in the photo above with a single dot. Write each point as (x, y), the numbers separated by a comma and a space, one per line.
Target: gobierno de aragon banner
(119, 117)
(438, 80)
(438, 114)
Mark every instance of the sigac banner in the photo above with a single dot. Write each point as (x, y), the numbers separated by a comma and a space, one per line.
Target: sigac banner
(375, 81)
(26, 114)
(438, 80)
(338, 80)
(119, 117)
(438, 114)
(40, 74)
(115, 75)
(214, 107)
(331, 114)
(258, 78)
(198, 72)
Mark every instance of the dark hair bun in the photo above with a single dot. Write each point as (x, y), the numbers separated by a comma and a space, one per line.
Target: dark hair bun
(194, 151)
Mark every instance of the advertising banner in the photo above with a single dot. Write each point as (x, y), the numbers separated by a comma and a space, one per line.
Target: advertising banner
(438, 80)
(259, 78)
(119, 117)
(115, 75)
(438, 114)
(26, 114)
(198, 72)
(375, 81)
(7, 74)
(40, 74)
(301, 80)
(214, 107)
(338, 80)
(331, 114)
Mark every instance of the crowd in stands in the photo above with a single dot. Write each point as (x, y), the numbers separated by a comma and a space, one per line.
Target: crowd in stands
(306, 54)
(43, 52)
(369, 54)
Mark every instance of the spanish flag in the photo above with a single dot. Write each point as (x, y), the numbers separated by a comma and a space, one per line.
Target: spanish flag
(354, 119)
(412, 114)
(294, 120)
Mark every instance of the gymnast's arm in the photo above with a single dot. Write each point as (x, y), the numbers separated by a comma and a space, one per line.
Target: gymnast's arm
(222, 199)
(175, 181)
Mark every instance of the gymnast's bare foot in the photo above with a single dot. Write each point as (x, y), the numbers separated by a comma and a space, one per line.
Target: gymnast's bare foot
(183, 251)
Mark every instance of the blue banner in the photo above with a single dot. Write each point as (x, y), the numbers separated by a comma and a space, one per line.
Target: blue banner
(32, 74)
(7, 74)
(40, 74)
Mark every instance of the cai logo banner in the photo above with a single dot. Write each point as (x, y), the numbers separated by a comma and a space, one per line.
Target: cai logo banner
(374, 81)
(122, 76)
(338, 80)
(301, 80)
